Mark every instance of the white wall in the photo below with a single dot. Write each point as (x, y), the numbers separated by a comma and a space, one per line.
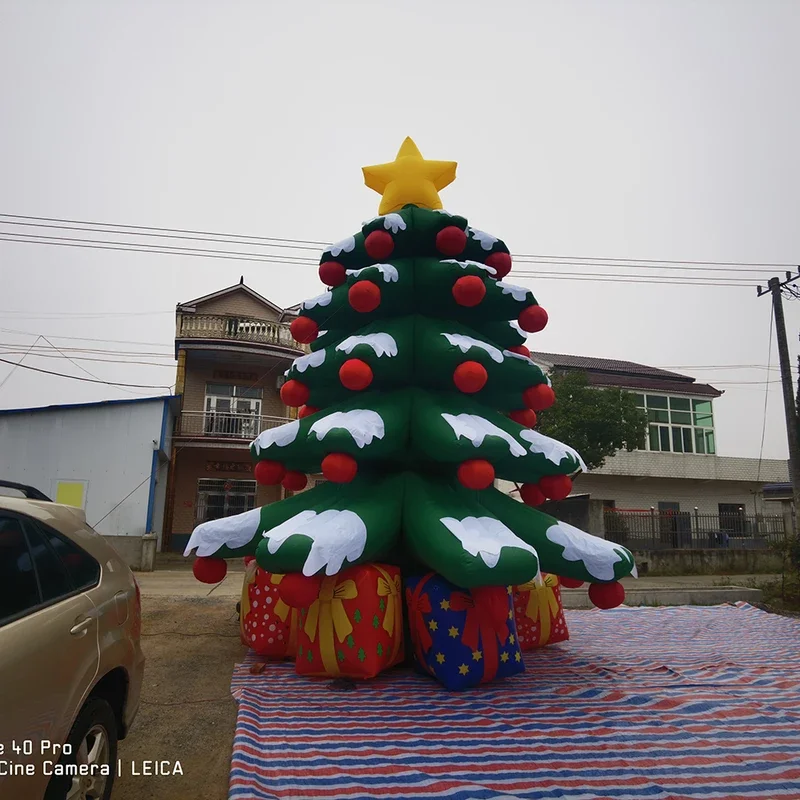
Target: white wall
(110, 446)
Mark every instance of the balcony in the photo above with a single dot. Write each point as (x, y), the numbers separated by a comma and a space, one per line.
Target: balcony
(232, 329)
(214, 425)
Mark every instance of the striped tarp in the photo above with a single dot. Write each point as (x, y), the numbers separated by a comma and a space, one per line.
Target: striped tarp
(641, 703)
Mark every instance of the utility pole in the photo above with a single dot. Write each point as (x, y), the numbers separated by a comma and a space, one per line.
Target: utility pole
(775, 287)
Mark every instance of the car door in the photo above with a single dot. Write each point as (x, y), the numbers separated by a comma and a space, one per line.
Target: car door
(49, 655)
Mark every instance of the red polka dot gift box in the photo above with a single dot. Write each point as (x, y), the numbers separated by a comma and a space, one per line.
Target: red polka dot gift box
(267, 624)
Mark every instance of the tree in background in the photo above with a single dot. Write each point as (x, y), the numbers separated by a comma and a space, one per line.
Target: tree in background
(596, 422)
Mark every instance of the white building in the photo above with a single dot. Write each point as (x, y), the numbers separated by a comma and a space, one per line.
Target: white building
(109, 459)
(678, 471)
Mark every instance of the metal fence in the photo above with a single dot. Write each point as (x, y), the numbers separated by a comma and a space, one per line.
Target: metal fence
(673, 530)
(222, 425)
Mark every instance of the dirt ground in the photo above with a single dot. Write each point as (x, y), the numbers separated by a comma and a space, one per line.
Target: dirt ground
(187, 712)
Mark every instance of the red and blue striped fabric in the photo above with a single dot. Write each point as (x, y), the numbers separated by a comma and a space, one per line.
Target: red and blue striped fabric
(663, 703)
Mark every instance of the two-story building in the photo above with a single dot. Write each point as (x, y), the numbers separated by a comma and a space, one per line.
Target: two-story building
(232, 347)
(679, 469)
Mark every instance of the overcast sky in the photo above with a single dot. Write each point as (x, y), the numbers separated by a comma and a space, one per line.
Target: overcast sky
(638, 130)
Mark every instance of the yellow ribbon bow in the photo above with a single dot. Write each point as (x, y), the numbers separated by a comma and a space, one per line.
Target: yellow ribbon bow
(326, 615)
(390, 588)
(542, 605)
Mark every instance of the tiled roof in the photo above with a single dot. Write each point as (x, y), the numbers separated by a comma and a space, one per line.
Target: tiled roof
(627, 374)
(589, 363)
(653, 384)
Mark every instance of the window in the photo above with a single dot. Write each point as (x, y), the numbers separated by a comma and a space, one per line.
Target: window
(678, 424)
(232, 410)
(53, 579)
(83, 570)
(609, 503)
(19, 591)
(223, 498)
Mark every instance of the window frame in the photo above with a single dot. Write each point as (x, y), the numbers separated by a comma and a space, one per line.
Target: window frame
(26, 523)
(660, 416)
(206, 492)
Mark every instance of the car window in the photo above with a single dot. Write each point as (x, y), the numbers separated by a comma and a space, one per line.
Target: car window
(81, 567)
(53, 579)
(19, 591)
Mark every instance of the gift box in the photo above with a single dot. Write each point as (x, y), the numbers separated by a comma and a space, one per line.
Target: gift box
(266, 623)
(349, 624)
(462, 637)
(539, 613)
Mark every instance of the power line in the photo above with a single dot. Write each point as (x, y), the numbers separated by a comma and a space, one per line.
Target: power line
(89, 338)
(75, 359)
(682, 279)
(87, 380)
(275, 241)
(630, 279)
(18, 363)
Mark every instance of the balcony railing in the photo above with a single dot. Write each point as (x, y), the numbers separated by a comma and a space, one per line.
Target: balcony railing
(216, 425)
(237, 329)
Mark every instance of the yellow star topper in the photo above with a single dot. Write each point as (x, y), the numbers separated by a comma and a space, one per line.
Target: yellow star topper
(409, 179)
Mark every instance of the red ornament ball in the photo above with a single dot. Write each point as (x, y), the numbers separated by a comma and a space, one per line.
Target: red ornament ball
(339, 467)
(306, 411)
(304, 330)
(556, 487)
(209, 570)
(531, 494)
(451, 241)
(520, 349)
(269, 473)
(477, 473)
(570, 583)
(607, 595)
(539, 397)
(379, 245)
(524, 416)
(355, 374)
(295, 481)
(364, 296)
(469, 290)
(332, 273)
(532, 319)
(501, 263)
(294, 393)
(470, 377)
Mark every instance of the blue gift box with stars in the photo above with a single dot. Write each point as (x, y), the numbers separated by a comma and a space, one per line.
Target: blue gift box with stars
(462, 637)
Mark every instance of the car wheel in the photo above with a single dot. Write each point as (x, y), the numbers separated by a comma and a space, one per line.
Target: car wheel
(93, 741)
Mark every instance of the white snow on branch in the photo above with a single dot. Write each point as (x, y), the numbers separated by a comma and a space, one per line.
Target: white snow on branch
(485, 536)
(486, 239)
(519, 356)
(469, 263)
(519, 293)
(391, 222)
(362, 424)
(598, 555)
(381, 343)
(464, 343)
(336, 536)
(280, 436)
(389, 272)
(345, 246)
(551, 449)
(476, 429)
(512, 323)
(315, 359)
(233, 532)
(323, 299)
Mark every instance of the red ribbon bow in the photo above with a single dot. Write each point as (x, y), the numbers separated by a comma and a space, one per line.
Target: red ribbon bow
(486, 623)
(418, 605)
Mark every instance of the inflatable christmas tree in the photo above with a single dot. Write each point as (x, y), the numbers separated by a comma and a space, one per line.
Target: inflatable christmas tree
(417, 394)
